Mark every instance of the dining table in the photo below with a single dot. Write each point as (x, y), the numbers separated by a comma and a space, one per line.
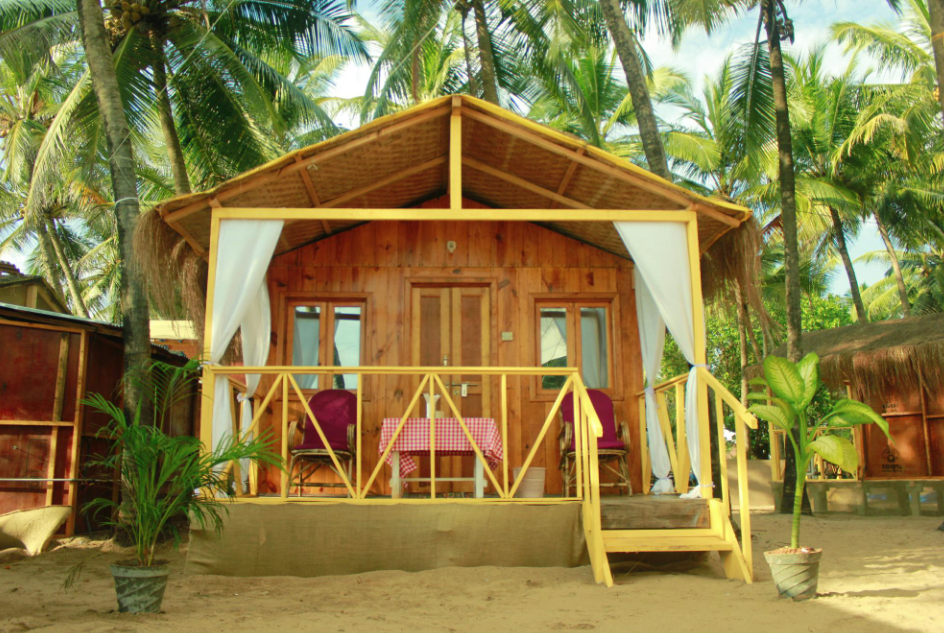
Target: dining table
(414, 441)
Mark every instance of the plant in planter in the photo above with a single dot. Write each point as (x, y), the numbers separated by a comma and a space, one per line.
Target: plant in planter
(163, 478)
(793, 387)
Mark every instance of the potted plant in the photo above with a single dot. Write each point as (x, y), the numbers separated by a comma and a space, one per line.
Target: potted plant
(163, 478)
(790, 389)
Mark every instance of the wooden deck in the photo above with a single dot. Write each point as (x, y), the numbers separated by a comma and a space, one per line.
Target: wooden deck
(650, 512)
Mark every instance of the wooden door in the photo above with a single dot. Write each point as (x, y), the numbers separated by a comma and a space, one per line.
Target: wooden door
(451, 326)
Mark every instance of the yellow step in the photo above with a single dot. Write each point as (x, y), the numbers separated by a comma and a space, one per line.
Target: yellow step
(664, 541)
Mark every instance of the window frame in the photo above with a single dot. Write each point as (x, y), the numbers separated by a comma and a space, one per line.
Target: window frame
(328, 301)
(573, 302)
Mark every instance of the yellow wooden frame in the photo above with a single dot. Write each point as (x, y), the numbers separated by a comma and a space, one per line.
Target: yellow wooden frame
(737, 561)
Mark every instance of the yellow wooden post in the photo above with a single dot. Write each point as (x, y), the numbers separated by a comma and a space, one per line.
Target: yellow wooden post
(744, 491)
(504, 430)
(285, 473)
(580, 446)
(206, 411)
(701, 357)
(359, 492)
(684, 460)
(644, 447)
(432, 442)
(722, 455)
(455, 156)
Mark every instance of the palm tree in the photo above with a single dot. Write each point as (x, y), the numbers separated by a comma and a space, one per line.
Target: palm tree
(436, 66)
(778, 26)
(631, 57)
(203, 70)
(33, 94)
(824, 114)
(134, 300)
(899, 125)
(594, 104)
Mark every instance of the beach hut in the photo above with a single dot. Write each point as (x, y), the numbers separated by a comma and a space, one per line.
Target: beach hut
(50, 362)
(897, 367)
(31, 291)
(474, 281)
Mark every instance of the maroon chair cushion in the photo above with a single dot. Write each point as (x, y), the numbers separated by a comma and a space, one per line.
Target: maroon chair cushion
(335, 409)
(604, 408)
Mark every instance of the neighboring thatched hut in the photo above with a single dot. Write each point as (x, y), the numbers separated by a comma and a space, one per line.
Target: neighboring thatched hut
(897, 367)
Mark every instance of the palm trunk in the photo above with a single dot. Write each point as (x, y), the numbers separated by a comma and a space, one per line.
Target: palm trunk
(486, 53)
(936, 19)
(896, 266)
(168, 126)
(840, 233)
(744, 313)
(466, 46)
(134, 300)
(788, 210)
(742, 342)
(743, 320)
(626, 48)
(72, 284)
(47, 256)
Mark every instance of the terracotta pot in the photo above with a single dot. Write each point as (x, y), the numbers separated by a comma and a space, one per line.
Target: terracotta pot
(140, 589)
(796, 573)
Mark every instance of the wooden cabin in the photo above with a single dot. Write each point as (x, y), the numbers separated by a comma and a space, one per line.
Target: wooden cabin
(897, 368)
(458, 252)
(31, 291)
(51, 362)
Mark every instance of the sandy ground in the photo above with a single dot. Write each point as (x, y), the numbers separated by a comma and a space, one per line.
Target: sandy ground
(878, 575)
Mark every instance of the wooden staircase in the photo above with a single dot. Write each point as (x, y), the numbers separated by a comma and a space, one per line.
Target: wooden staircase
(687, 525)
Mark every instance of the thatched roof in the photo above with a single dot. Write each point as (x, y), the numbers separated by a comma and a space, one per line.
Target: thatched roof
(872, 355)
(401, 161)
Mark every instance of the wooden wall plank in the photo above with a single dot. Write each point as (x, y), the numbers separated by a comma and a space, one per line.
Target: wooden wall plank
(516, 259)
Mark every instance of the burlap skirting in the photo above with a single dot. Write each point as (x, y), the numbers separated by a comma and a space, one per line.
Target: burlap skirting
(328, 539)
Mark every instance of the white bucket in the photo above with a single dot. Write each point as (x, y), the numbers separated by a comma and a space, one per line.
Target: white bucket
(532, 486)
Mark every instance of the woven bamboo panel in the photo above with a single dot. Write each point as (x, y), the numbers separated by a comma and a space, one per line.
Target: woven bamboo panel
(603, 191)
(385, 148)
(498, 193)
(512, 155)
(426, 184)
(369, 163)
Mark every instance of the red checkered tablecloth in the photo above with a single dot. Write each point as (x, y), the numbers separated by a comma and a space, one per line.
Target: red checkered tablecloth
(450, 439)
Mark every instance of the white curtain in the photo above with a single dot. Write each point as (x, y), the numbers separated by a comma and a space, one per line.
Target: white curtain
(256, 328)
(593, 344)
(660, 252)
(240, 300)
(652, 342)
(306, 345)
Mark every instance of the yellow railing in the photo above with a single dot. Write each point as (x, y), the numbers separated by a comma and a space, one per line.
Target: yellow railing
(431, 382)
(678, 447)
(587, 428)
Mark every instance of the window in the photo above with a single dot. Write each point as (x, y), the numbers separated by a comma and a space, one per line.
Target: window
(575, 333)
(326, 334)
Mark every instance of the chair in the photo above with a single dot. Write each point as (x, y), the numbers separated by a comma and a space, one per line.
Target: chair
(336, 412)
(610, 448)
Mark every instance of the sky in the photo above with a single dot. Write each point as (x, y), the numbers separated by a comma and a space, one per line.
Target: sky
(701, 55)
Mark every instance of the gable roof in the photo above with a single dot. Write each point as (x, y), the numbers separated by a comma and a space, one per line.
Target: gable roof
(401, 160)
(49, 294)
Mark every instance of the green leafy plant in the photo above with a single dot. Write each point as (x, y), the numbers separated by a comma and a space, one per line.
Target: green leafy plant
(793, 386)
(165, 477)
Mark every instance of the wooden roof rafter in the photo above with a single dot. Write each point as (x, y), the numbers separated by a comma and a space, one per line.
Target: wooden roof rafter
(458, 146)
